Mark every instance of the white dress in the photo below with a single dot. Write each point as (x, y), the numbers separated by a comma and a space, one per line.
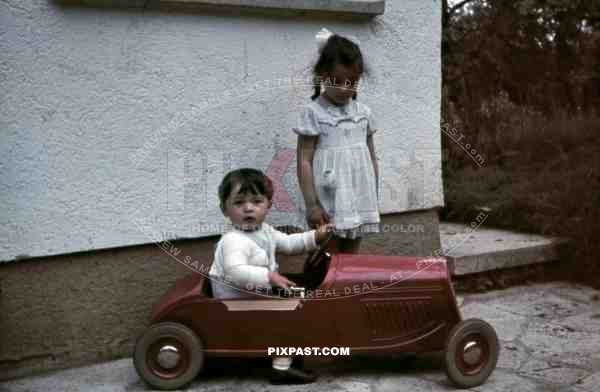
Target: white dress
(342, 168)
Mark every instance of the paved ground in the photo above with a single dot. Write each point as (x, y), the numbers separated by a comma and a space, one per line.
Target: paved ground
(550, 341)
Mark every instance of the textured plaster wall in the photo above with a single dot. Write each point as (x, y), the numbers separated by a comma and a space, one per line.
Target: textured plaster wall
(84, 90)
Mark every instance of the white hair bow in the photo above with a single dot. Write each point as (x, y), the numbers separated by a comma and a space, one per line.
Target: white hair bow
(323, 36)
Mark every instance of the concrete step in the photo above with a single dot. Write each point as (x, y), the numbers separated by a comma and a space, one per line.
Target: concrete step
(478, 249)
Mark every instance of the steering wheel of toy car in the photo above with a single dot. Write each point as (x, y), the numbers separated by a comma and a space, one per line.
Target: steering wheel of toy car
(316, 257)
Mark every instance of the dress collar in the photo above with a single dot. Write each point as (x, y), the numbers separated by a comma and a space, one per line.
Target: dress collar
(336, 110)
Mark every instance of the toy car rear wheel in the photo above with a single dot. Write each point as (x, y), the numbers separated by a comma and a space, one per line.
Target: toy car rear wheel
(168, 356)
(471, 353)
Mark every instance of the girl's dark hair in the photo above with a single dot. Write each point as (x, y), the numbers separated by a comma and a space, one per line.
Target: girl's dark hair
(337, 50)
(252, 181)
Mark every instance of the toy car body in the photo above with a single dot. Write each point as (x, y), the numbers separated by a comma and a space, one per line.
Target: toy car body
(368, 303)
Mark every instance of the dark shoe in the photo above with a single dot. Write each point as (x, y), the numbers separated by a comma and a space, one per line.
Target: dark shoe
(291, 376)
(298, 362)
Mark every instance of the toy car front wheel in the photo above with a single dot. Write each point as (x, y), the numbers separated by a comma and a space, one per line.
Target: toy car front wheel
(471, 353)
(168, 356)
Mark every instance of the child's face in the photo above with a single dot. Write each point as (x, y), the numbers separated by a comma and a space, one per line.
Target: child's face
(246, 211)
(340, 84)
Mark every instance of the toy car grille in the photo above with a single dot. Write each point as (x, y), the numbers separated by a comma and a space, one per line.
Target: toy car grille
(388, 319)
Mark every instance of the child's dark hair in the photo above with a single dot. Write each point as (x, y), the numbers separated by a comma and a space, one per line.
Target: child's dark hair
(252, 181)
(337, 50)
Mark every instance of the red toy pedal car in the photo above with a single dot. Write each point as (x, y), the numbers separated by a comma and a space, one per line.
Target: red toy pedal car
(368, 303)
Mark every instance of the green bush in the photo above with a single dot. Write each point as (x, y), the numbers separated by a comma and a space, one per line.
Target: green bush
(541, 174)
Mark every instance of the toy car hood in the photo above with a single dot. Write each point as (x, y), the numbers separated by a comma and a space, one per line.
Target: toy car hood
(348, 271)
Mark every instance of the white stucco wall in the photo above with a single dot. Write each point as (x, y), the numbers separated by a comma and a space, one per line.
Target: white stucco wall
(84, 89)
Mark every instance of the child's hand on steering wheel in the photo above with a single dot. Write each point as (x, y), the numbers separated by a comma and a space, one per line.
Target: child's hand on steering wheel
(278, 280)
(323, 233)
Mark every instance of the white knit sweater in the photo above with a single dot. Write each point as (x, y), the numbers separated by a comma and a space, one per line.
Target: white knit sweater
(240, 262)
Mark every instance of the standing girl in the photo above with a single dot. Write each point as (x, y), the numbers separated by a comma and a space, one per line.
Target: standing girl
(337, 167)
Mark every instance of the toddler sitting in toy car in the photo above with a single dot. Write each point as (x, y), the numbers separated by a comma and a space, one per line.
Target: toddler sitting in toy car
(245, 256)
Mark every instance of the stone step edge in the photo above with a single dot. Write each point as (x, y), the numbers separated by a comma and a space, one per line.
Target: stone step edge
(558, 249)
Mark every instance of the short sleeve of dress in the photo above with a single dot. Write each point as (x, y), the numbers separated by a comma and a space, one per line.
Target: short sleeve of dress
(307, 124)
(372, 123)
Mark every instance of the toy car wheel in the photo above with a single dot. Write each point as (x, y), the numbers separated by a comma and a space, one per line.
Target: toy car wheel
(168, 356)
(471, 353)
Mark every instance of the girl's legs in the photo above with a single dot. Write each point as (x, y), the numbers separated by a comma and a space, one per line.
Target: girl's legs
(347, 245)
